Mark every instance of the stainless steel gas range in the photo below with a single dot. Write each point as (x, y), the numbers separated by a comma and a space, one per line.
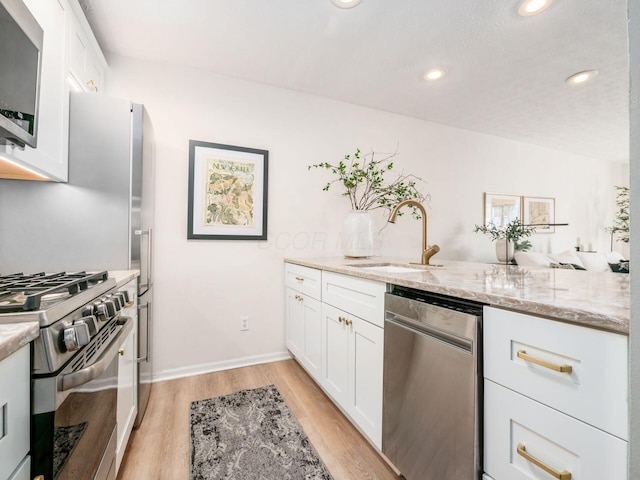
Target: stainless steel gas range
(74, 369)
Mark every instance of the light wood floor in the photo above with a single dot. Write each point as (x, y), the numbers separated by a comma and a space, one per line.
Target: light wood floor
(160, 448)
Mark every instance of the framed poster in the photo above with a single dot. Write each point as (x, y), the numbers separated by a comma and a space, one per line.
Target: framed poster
(500, 209)
(540, 213)
(227, 192)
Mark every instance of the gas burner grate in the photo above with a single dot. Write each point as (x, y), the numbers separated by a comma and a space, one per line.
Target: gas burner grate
(19, 292)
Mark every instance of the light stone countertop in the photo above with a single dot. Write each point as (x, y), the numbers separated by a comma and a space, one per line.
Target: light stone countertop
(14, 336)
(123, 276)
(592, 299)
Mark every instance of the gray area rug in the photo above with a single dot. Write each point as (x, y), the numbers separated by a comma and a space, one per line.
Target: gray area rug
(250, 435)
(65, 440)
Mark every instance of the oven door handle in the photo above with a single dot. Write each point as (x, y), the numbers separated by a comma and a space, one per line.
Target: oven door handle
(75, 379)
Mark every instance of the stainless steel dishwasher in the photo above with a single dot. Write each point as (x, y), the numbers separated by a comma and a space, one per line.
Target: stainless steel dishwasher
(432, 425)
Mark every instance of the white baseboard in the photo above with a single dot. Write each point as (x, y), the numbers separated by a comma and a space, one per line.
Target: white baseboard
(217, 366)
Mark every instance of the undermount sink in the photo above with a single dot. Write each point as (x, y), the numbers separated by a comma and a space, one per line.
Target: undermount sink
(387, 268)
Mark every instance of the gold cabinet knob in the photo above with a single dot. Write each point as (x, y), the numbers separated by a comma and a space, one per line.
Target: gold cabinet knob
(348, 322)
(121, 351)
(340, 319)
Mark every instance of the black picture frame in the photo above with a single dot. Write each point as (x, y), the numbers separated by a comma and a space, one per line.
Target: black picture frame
(228, 192)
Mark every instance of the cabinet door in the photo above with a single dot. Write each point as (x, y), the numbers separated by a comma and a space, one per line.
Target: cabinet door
(295, 322)
(312, 355)
(335, 350)
(15, 410)
(86, 62)
(594, 387)
(520, 432)
(366, 348)
(127, 404)
(51, 155)
(23, 471)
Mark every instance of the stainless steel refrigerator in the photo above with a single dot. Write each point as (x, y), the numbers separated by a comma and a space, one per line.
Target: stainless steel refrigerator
(102, 219)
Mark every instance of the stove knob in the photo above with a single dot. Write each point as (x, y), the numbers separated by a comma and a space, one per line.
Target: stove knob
(76, 336)
(120, 297)
(105, 310)
(116, 301)
(88, 310)
(91, 322)
(127, 300)
(124, 296)
(101, 312)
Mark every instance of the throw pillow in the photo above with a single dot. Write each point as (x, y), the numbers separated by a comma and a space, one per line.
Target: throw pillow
(531, 259)
(566, 257)
(594, 261)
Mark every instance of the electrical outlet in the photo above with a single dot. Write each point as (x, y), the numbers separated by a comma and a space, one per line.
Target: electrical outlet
(244, 322)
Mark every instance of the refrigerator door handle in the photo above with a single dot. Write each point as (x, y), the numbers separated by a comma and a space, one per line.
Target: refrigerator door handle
(147, 356)
(148, 234)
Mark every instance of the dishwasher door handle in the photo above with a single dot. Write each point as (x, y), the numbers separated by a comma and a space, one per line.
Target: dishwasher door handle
(463, 343)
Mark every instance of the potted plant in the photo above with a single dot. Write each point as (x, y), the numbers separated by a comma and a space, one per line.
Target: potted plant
(508, 238)
(621, 222)
(364, 182)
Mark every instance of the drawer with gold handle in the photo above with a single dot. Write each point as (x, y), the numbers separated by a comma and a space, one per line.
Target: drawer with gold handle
(563, 475)
(551, 366)
(580, 371)
(526, 440)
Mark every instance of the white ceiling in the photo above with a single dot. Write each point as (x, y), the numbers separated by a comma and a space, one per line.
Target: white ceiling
(505, 72)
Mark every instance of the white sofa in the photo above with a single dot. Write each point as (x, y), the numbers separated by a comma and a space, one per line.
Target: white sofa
(592, 261)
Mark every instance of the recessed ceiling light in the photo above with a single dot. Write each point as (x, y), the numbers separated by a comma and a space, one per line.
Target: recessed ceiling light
(581, 77)
(533, 7)
(346, 3)
(434, 74)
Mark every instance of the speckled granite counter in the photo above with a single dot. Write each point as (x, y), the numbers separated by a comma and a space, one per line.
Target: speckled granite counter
(15, 335)
(593, 299)
(123, 276)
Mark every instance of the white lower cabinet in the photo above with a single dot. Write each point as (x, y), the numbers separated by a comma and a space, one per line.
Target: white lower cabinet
(335, 359)
(15, 414)
(303, 330)
(334, 330)
(525, 439)
(127, 403)
(23, 472)
(555, 399)
(352, 368)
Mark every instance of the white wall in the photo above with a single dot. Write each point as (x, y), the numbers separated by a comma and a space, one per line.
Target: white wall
(202, 287)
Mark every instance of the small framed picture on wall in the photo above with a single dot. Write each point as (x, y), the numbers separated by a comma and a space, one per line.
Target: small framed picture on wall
(227, 192)
(539, 212)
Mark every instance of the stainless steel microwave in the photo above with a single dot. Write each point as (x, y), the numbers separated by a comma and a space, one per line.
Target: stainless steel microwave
(21, 39)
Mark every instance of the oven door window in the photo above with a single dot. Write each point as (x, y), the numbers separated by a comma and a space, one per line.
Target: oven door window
(81, 429)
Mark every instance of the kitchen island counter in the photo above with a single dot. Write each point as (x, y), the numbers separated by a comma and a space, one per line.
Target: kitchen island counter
(593, 299)
(13, 336)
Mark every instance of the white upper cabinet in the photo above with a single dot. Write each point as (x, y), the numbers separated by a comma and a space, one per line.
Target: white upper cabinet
(87, 64)
(71, 58)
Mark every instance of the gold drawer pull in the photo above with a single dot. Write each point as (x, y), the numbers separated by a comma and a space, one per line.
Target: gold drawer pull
(348, 322)
(300, 279)
(563, 475)
(551, 366)
(341, 319)
(299, 298)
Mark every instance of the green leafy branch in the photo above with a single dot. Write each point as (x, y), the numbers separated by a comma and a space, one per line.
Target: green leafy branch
(364, 182)
(621, 222)
(512, 232)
